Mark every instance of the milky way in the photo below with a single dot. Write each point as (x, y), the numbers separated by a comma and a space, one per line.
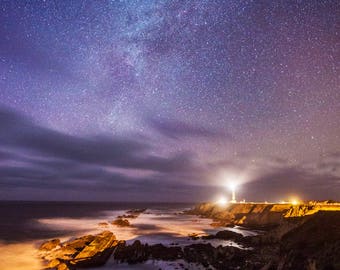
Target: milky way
(169, 100)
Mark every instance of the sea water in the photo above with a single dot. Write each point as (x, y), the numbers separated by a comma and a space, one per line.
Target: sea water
(25, 225)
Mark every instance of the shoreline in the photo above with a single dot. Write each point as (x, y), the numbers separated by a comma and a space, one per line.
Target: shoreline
(169, 238)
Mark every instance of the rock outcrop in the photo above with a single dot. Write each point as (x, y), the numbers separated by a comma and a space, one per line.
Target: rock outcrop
(225, 235)
(123, 220)
(313, 245)
(259, 215)
(305, 237)
(295, 237)
(202, 254)
(49, 245)
(85, 251)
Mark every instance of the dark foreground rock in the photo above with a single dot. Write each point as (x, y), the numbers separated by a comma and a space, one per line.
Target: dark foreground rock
(304, 237)
(85, 251)
(225, 235)
(138, 253)
(313, 245)
(204, 254)
(306, 243)
(309, 242)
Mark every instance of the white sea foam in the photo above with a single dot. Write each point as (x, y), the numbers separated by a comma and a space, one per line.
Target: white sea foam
(22, 256)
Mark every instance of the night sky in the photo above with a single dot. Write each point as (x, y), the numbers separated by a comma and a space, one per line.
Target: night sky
(169, 100)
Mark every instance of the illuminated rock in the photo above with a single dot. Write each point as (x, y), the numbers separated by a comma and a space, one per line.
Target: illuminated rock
(97, 252)
(258, 214)
(49, 245)
(85, 251)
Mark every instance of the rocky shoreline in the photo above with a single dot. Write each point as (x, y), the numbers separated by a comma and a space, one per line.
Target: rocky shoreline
(81, 252)
(288, 240)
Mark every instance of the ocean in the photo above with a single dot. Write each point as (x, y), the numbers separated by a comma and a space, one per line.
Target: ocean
(25, 225)
(22, 220)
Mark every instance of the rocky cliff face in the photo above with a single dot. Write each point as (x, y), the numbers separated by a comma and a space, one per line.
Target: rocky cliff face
(258, 214)
(305, 237)
(313, 245)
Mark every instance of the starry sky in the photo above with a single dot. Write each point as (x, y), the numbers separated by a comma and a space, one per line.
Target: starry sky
(169, 100)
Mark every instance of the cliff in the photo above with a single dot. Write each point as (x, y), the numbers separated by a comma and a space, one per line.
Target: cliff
(305, 236)
(313, 245)
(259, 214)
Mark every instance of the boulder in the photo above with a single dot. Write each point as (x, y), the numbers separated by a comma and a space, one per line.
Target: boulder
(97, 252)
(225, 235)
(86, 251)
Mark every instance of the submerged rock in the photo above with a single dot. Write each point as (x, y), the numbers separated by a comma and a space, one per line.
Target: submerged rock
(120, 222)
(103, 224)
(136, 211)
(131, 214)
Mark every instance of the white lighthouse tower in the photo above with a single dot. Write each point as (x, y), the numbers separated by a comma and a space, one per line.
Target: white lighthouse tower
(232, 187)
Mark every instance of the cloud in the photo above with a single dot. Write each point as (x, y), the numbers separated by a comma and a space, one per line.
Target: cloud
(176, 129)
(39, 162)
(17, 131)
(273, 179)
(294, 181)
(33, 156)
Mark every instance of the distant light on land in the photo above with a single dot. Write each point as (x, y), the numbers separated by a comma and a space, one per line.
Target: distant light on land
(295, 202)
(232, 186)
(222, 201)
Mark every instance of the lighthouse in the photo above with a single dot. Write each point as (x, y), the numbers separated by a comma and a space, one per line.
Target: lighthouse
(232, 187)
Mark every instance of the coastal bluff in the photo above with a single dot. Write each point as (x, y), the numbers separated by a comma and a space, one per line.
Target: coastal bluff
(290, 237)
(259, 214)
